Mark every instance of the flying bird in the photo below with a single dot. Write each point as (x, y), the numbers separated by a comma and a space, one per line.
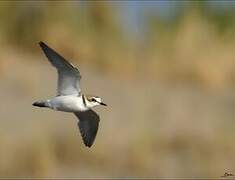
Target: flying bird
(69, 97)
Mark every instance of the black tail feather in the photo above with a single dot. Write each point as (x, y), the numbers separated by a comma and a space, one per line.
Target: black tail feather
(39, 104)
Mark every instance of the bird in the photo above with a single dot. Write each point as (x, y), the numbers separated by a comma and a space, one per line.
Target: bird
(69, 97)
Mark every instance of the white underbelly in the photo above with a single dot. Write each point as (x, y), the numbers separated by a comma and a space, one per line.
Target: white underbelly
(68, 103)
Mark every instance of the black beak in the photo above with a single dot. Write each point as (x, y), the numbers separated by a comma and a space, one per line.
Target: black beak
(103, 104)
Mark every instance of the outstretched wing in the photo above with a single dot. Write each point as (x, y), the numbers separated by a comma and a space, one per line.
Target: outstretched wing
(68, 75)
(88, 124)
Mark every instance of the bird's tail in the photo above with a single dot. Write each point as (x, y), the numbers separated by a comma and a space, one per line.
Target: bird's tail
(41, 104)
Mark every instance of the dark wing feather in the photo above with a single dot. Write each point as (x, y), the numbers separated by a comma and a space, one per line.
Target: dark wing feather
(68, 75)
(88, 125)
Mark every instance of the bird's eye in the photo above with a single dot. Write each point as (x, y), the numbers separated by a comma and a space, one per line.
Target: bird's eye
(93, 100)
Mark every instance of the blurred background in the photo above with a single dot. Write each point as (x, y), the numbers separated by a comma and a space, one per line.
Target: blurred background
(166, 69)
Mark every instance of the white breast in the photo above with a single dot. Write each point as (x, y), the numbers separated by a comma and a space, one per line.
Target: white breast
(68, 103)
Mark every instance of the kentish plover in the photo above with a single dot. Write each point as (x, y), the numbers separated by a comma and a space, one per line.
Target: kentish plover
(69, 97)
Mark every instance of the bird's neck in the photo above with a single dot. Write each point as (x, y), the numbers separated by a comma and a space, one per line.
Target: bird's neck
(87, 104)
(84, 100)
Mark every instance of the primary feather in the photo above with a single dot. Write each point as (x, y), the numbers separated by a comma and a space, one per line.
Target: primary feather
(68, 75)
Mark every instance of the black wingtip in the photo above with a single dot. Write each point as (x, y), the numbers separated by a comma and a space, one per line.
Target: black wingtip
(88, 145)
(44, 46)
(41, 44)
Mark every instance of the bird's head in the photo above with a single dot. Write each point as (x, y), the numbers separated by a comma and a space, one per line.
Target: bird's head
(94, 101)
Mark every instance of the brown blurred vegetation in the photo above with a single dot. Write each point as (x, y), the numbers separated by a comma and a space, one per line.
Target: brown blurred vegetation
(195, 46)
(171, 97)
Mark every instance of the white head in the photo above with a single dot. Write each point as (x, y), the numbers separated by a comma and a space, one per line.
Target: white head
(92, 101)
